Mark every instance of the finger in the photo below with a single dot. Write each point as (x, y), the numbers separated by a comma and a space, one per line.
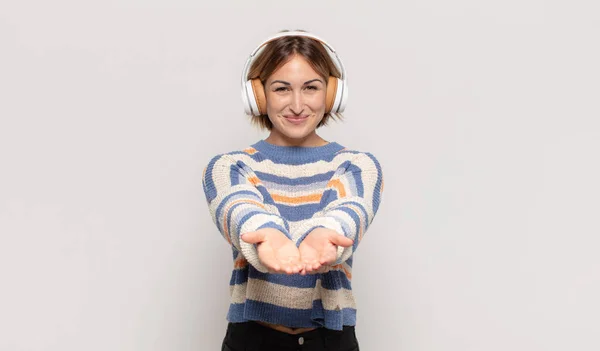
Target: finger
(304, 271)
(308, 268)
(341, 240)
(303, 268)
(287, 266)
(310, 264)
(299, 266)
(291, 264)
(253, 237)
(294, 268)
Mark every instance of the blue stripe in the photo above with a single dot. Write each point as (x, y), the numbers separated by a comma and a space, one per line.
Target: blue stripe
(376, 194)
(209, 185)
(354, 217)
(315, 317)
(344, 207)
(301, 238)
(334, 280)
(292, 280)
(321, 177)
(227, 198)
(298, 212)
(253, 213)
(230, 213)
(356, 174)
(328, 196)
(239, 225)
(259, 157)
(333, 319)
(239, 276)
(276, 226)
(255, 310)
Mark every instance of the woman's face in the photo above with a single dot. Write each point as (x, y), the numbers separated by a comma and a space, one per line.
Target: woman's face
(295, 96)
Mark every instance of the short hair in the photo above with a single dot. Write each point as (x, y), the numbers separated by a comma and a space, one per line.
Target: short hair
(278, 52)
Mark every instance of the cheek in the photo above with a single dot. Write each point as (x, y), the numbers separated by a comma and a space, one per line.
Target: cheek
(275, 102)
(317, 101)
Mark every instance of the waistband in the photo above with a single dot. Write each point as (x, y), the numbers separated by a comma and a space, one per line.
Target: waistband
(257, 335)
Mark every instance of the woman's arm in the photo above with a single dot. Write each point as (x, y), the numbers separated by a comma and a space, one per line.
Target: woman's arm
(350, 202)
(238, 204)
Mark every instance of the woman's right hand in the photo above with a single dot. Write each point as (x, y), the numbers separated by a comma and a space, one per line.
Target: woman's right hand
(275, 250)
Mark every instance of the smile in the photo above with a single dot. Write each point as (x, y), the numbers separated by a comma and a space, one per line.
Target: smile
(296, 120)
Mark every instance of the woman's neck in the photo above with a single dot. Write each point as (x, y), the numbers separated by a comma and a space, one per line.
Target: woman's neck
(311, 140)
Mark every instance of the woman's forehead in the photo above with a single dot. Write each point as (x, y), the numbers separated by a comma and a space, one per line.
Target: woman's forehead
(295, 70)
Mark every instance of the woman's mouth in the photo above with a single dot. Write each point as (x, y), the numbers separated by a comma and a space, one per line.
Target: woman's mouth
(295, 119)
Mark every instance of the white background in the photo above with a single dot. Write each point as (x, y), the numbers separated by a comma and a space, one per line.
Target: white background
(483, 114)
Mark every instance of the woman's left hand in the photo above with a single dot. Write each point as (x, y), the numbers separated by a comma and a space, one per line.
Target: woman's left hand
(319, 249)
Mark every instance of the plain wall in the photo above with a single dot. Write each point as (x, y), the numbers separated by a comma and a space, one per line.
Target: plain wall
(483, 114)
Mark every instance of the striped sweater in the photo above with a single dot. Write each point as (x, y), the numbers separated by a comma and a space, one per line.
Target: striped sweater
(294, 189)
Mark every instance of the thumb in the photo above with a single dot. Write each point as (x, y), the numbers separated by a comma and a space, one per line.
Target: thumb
(341, 240)
(253, 237)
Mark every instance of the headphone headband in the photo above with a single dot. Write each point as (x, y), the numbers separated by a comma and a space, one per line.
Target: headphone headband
(336, 59)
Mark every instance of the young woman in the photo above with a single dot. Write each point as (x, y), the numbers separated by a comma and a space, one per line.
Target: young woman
(294, 207)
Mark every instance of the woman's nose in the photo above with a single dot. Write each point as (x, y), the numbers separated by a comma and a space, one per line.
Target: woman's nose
(296, 105)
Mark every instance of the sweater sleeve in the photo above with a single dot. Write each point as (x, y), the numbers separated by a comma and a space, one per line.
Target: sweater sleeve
(238, 203)
(350, 201)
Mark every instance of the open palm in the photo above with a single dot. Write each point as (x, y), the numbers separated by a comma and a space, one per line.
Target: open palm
(275, 250)
(318, 250)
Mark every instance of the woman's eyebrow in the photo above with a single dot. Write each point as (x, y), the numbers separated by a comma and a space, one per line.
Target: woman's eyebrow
(313, 80)
(287, 83)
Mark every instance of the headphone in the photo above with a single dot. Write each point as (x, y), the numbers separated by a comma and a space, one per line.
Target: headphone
(253, 93)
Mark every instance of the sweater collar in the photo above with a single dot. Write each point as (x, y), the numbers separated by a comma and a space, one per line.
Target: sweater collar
(297, 153)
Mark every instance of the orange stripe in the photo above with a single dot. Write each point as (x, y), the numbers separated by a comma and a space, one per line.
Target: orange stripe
(336, 183)
(343, 268)
(254, 180)
(240, 262)
(250, 150)
(225, 226)
(297, 199)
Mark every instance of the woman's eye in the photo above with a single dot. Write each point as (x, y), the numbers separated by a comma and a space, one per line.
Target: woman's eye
(311, 87)
(281, 89)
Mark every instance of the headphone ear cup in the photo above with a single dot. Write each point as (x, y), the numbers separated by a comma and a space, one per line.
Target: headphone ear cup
(332, 85)
(249, 101)
(336, 95)
(253, 96)
(343, 98)
(259, 96)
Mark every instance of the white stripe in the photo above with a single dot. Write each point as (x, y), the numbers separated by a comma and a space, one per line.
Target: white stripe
(291, 297)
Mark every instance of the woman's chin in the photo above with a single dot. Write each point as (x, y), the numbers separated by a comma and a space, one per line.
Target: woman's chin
(296, 134)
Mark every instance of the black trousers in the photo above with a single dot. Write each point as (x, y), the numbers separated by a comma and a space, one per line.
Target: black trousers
(251, 336)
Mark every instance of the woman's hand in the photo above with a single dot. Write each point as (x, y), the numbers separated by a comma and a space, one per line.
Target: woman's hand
(275, 250)
(319, 249)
